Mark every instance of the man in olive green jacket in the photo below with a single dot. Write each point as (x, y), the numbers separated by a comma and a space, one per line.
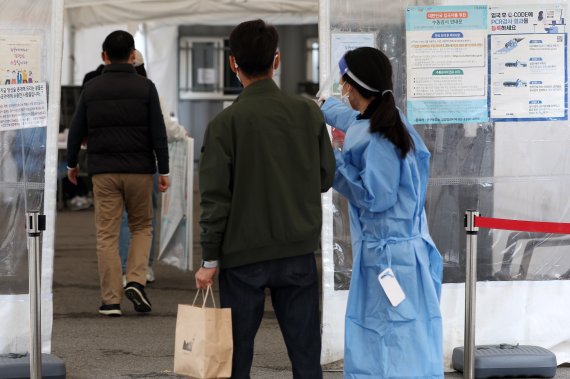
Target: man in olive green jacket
(265, 161)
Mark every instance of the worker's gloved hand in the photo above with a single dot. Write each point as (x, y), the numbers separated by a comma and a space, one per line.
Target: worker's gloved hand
(324, 92)
(321, 100)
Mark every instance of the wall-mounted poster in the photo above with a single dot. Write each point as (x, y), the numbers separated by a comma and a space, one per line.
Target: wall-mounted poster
(23, 106)
(528, 63)
(20, 58)
(340, 44)
(447, 64)
(23, 97)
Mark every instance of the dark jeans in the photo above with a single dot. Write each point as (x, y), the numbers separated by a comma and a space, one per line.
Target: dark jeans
(295, 297)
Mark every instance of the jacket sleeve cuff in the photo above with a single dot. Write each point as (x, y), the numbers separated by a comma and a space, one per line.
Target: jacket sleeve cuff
(210, 253)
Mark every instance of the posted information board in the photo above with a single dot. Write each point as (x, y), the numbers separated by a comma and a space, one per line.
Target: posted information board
(528, 63)
(447, 64)
(20, 59)
(23, 106)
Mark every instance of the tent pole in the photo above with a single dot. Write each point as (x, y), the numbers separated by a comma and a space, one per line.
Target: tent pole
(470, 292)
(35, 223)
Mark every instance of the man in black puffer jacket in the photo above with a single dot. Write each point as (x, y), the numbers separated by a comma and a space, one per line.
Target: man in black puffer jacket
(119, 113)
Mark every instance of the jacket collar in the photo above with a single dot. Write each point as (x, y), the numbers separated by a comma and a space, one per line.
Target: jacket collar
(119, 67)
(258, 87)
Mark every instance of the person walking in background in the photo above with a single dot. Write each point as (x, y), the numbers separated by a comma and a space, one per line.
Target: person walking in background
(92, 74)
(383, 171)
(264, 163)
(119, 112)
(174, 132)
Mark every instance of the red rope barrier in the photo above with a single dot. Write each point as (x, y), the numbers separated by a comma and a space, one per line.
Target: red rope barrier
(523, 226)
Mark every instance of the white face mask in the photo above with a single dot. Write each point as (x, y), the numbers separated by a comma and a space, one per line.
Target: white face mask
(344, 98)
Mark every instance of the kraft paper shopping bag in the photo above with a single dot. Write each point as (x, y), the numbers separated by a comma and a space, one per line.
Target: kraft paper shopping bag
(203, 343)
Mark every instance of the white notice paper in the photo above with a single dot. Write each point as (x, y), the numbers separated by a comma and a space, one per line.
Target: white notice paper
(23, 106)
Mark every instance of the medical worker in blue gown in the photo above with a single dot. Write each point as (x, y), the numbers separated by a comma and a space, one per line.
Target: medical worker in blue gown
(383, 171)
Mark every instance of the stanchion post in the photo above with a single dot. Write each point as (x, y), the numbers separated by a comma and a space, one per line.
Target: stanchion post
(35, 224)
(470, 292)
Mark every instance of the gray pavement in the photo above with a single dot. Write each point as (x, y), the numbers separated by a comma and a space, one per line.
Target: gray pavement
(135, 345)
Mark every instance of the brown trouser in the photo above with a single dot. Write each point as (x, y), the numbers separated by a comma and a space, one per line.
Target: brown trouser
(112, 192)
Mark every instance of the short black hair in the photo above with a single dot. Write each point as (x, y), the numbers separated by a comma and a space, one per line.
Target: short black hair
(253, 45)
(119, 45)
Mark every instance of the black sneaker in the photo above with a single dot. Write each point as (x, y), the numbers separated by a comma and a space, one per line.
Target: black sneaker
(113, 310)
(135, 292)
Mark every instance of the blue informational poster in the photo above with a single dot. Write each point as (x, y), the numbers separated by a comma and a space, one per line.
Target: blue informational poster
(528, 78)
(447, 64)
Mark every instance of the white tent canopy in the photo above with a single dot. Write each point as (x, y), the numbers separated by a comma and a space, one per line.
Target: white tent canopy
(89, 21)
(88, 13)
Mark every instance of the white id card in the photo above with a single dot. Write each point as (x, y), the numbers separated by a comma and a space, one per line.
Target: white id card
(391, 287)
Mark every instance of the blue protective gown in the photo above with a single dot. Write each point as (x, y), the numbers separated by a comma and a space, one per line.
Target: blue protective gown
(389, 228)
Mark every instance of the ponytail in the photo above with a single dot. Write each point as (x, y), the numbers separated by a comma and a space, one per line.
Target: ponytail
(385, 120)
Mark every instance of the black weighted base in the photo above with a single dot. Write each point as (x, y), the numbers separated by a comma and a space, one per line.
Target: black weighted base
(18, 367)
(509, 361)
